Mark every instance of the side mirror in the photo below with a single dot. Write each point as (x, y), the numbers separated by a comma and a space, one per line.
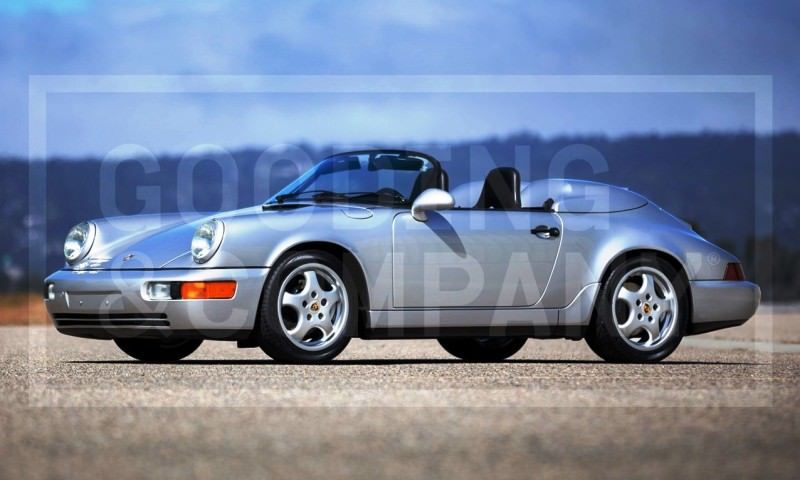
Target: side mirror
(431, 199)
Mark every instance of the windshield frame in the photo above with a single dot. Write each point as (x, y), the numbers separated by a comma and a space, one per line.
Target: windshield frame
(296, 184)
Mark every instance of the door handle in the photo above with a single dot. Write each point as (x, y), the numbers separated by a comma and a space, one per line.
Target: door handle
(543, 231)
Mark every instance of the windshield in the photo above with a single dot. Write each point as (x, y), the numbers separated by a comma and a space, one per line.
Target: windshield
(388, 178)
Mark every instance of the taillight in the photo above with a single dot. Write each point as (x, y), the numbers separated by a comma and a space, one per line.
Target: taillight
(734, 272)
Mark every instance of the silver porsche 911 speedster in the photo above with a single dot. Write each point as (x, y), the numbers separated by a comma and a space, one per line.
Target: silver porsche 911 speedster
(373, 244)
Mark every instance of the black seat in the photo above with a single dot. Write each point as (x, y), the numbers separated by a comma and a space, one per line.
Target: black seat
(501, 190)
(429, 179)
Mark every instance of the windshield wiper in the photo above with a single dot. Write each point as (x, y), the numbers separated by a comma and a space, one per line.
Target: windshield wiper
(329, 196)
(381, 196)
(287, 196)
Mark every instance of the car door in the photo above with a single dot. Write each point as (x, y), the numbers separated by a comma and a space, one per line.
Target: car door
(473, 258)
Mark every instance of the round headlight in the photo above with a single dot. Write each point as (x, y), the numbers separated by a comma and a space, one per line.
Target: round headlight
(79, 241)
(206, 240)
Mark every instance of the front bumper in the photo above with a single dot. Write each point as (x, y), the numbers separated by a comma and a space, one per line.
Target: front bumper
(110, 304)
(719, 304)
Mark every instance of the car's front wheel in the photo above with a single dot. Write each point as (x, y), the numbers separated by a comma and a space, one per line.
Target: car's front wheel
(487, 349)
(155, 350)
(308, 306)
(641, 312)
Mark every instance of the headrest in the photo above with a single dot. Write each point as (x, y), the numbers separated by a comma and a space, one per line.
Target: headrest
(501, 190)
(429, 179)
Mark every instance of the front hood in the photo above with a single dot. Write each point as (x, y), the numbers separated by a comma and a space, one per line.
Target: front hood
(164, 241)
(140, 241)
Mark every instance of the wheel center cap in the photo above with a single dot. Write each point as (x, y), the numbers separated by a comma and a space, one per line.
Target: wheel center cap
(646, 308)
(314, 307)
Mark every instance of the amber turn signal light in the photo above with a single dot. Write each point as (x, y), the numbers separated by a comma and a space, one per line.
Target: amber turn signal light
(734, 272)
(208, 290)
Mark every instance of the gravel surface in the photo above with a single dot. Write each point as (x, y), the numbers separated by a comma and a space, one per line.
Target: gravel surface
(393, 409)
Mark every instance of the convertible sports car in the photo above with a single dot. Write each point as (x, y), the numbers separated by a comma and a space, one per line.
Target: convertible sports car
(372, 244)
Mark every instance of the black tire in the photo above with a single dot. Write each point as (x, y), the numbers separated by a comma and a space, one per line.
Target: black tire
(271, 336)
(155, 350)
(488, 349)
(603, 336)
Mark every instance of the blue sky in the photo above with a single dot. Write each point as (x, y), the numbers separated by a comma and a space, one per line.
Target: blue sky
(386, 38)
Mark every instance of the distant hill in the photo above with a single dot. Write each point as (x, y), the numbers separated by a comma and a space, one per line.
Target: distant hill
(707, 179)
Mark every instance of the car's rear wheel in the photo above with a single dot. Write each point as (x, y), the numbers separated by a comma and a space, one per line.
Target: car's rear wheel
(307, 309)
(155, 350)
(486, 349)
(641, 312)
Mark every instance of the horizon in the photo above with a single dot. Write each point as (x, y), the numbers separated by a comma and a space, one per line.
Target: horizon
(410, 145)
